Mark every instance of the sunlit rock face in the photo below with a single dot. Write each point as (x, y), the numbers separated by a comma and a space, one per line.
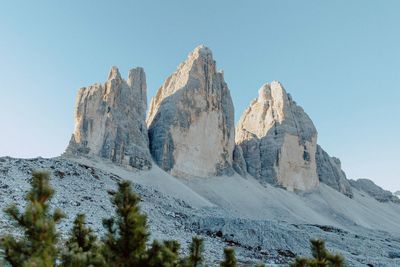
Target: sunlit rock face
(191, 120)
(110, 120)
(278, 140)
(330, 172)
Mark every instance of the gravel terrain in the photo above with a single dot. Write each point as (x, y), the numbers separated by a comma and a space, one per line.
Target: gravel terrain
(264, 223)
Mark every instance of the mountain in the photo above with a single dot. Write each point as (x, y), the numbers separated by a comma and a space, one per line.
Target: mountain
(265, 187)
(191, 120)
(110, 120)
(278, 140)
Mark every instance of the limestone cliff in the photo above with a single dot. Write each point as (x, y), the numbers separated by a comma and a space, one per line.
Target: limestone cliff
(110, 120)
(191, 120)
(278, 140)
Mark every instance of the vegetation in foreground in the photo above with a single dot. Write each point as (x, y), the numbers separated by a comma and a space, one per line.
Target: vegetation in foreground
(123, 245)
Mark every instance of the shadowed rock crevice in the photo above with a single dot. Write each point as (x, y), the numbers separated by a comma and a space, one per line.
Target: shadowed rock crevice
(330, 172)
(191, 120)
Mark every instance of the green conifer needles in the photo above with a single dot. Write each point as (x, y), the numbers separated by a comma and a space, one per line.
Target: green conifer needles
(123, 245)
(82, 248)
(321, 257)
(127, 233)
(37, 246)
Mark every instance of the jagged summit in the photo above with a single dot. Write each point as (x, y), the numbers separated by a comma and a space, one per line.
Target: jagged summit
(137, 81)
(191, 119)
(189, 129)
(279, 144)
(278, 140)
(201, 50)
(114, 74)
(110, 120)
(199, 62)
(268, 91)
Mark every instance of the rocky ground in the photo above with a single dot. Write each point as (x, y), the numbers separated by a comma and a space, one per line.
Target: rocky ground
(179, 209)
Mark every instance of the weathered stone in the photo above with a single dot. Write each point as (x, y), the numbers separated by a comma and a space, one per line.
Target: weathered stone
(278, 140)
(330, 172)
(239, 163)
(191, 120)
(374, 190)
(110, 121)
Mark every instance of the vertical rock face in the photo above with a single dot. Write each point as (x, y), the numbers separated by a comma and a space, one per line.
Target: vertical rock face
(330, 172)
(278, 140)
(239, 163)
(110, 120)
(191, 120)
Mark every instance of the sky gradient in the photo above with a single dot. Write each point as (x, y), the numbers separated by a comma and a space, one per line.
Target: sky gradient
(340, 61)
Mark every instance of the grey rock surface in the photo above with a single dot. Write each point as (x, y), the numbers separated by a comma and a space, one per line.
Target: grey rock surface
(84, 188)
(330, 172)
(239, 163)
(191, 120)
(278, 140)
(110, 121)
(374, 190)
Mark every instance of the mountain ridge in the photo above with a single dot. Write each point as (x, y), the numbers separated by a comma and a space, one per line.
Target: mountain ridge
(265, 186)
(193, 101)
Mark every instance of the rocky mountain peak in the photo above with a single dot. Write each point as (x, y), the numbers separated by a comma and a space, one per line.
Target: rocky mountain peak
(278, 140)
(271, 91)
(193, 103)
(199, 63)
(110, 121)
(264, 93)
(137, 81)
(201, 51)
(191, 128)
(114, 74)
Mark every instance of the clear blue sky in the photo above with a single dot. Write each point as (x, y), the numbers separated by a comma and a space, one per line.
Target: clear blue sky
(339, 59)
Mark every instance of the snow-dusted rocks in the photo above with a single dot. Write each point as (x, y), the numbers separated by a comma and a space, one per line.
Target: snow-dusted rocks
(223, 211)
(374, 190)
(330, 172)
(278, 140)
(191, 120)
(110, 120)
